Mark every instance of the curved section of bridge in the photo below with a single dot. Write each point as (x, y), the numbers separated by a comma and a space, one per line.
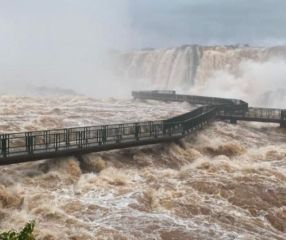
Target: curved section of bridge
(38, 145)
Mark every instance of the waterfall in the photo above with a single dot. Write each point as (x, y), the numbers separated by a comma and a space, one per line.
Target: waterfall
(190, 65)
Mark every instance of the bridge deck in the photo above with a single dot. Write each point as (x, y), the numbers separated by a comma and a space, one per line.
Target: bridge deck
(37, 145)
(257, 115)
(229, 109)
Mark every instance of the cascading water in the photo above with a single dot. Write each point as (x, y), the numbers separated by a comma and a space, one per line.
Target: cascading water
(225, 182)
(165, 68)
(188, 66)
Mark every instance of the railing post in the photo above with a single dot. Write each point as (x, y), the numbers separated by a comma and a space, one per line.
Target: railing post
(155, 130)
(118, 136)
(67, 138)
(104, 135)
(164, 128)
(80, 138)
(183, 126)
(137, 131)
(46, 140)
(29, 139)
(31, 144)
(99, 136)
(56, 141)
(283, 119)
(4, 145)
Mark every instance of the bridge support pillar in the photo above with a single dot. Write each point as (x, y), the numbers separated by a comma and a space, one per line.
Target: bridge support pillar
(283, 124)
(233, 121)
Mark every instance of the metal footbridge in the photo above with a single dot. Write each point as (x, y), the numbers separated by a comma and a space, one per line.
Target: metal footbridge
(38, 145)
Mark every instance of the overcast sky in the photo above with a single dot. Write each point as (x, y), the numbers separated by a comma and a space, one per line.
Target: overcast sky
(52, 42)
(209, 21)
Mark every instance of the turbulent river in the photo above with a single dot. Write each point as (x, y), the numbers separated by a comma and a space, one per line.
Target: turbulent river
(224, 182)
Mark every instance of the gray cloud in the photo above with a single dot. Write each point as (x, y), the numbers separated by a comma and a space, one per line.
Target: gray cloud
(210, 22)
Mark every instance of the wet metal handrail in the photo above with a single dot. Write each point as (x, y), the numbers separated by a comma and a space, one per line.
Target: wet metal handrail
(36, 145)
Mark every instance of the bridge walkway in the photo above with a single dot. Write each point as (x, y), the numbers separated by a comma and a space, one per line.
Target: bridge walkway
(270, 115)
(228, 109)
(37, 145)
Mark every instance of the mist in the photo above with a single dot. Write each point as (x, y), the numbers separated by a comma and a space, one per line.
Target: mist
(64, 44)
(259, 83)
(71, 44)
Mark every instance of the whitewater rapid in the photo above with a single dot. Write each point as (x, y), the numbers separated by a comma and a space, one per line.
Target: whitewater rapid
(224, 182)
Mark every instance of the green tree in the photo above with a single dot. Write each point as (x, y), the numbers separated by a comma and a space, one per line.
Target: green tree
(25, 234)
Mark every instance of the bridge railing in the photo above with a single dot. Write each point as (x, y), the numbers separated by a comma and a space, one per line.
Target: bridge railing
(185, 116)
(267, 113)
(283, 115)
(209, 113)
(226, 105)
(29, 143)
(172, 96)
(226, 108)
(192, 120)
(261, 113)
(82, 137)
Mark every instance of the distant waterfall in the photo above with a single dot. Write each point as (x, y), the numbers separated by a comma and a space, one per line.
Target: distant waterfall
(177, 66)
(189, 65)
